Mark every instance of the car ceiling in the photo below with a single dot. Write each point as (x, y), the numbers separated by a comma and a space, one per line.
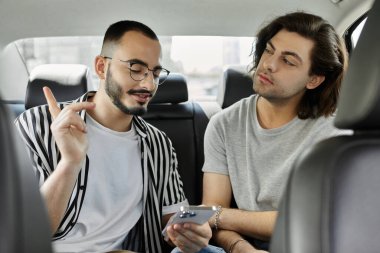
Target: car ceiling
(38, 18)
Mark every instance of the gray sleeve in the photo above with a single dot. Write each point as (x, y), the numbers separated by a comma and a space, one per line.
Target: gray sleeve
(214, 147)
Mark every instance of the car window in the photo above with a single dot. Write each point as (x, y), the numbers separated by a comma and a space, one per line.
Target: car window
(200, 58)
(352, 34)
(356, 32)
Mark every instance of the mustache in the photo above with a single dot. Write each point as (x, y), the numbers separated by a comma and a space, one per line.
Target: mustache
(140, 91)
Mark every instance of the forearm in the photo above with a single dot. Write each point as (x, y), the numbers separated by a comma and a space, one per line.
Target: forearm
(226, 238)
(57, 191)
(253, 224)
(217, 190)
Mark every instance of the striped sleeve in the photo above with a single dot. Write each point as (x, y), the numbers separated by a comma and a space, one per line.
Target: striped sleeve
(33, 126)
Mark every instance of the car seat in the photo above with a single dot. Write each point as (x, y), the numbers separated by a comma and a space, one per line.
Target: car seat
(332, 199)
(24, 224)
(236, 84)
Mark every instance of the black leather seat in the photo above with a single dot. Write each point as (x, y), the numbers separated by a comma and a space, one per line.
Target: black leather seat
(23, 218)
(185, 123)
(67, 81)
(332, 200)
(236, 84)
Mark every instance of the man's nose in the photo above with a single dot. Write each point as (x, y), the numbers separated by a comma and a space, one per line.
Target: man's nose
(270, 63)
(149, 81)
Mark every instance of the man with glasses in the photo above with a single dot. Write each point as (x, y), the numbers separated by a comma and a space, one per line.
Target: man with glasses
(109, 179)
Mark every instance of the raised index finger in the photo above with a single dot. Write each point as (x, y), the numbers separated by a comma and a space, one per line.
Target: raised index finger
(52, 102)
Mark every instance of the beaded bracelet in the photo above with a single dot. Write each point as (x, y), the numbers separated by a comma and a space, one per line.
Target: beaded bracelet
(217, 216)
(234, 244)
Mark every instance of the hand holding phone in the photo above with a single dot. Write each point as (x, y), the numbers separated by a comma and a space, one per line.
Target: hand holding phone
(194, 214)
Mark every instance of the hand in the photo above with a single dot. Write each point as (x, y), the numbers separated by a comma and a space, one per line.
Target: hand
(190, 237)
(68, 129)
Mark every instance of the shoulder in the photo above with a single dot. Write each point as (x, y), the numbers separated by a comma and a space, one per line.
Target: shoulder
(43, 110)
(325, 122)
(40, 115)
(324, 126)
(34, 115)
(241, 109)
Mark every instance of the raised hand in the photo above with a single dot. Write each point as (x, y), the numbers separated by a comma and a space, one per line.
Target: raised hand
(68, 129)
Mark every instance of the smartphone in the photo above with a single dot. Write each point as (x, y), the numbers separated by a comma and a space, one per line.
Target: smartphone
(194, 214)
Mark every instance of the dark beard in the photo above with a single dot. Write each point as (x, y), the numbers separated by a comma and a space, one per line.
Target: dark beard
(115, 92)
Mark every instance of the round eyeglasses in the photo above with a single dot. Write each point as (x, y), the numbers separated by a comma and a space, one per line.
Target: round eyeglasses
(138, 71)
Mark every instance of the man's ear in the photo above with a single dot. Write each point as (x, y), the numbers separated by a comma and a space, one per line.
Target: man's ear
(100, 67)
(314, 82)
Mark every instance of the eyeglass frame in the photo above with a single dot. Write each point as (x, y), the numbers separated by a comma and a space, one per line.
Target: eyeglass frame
(134, 61)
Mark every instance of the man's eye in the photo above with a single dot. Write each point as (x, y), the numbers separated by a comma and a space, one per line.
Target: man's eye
(268, 51)
(288, 62)
(137, 68)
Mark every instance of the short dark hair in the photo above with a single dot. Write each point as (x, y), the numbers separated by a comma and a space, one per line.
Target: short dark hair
(328, 58)
(118, 29)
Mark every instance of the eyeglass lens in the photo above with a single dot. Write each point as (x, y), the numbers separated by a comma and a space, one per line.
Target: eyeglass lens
(140, 72)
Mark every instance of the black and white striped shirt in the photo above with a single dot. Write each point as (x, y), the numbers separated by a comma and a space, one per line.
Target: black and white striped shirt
(162, 185)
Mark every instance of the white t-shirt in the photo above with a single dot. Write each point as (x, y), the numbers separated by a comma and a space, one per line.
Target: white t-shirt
(113, 201)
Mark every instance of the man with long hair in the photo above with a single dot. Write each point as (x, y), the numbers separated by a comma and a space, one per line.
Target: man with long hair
(298, 65)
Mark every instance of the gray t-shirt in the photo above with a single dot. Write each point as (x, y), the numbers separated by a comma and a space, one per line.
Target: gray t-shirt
(258, 161)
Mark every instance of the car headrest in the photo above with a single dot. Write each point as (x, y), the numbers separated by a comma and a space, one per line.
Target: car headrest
(359, 104)
(67, 82)
(236, 84)
(173, 90)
